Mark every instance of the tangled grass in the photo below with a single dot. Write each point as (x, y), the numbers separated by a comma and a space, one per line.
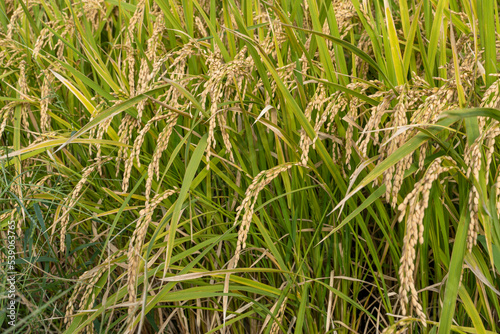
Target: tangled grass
(246, 166)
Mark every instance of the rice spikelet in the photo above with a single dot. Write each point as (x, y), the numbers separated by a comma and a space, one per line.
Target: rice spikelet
(6, 114)
(125, 131)
(72, 200)
(43, 38)
(85, 285)
(246, 208)
(135, 248)
(137, 148)
(416, 202)
(45, 100)
(374, 121)
(275, 328)
(163, 139)
(221, 77)
(473, 160)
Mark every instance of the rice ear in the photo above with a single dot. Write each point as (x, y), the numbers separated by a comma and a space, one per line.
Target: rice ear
(415, 203)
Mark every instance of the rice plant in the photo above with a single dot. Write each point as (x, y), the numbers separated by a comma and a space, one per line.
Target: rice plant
(249, 166)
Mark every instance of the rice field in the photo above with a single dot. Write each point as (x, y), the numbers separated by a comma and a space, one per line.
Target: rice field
(249, 166)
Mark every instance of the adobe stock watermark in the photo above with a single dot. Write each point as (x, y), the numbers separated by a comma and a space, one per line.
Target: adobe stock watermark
(11, 274)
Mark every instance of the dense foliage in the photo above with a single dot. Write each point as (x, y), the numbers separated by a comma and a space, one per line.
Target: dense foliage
(250, 166)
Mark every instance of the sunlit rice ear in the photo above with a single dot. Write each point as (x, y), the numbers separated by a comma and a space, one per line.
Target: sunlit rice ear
(413, 208)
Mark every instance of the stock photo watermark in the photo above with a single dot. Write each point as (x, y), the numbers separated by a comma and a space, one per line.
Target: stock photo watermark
(11, 309)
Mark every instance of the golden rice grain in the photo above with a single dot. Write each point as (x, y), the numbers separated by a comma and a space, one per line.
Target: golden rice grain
(45, 99)
(86, 284)
(440, 99)
(162, 144)
(155, 38)
(43, 38)
(316, 102)
(221, 77)
(334, 104)
(374, 121)
(135, 247)
(125, 131)
(490, 135)
(24, 89)
(246, 208)
(393, 177)
(137, 148)
(474, 162)
(497, 193)
(94, 12)
(201, 26)
(73, 200)
(275, 328)
(13, 20)
(472, 158)
(68, 30)
(416, 202)
(6, 114)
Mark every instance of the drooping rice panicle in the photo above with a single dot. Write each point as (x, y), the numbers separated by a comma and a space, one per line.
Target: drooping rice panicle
(135, 247)
(416, 202)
